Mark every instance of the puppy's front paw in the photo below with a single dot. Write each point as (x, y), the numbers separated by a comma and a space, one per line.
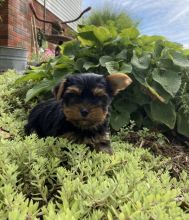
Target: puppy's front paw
(105, 149)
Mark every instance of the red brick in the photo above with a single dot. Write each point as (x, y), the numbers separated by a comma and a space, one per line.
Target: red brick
(17, 26)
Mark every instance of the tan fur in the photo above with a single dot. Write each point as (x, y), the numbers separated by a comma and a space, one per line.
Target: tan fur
(119, 82)
(99, 92)
(73, 89)
(95, 117)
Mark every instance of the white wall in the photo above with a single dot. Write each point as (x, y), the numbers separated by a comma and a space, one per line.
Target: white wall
(64, 9)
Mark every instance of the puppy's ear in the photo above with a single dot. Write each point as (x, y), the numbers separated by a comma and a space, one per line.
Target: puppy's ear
(118, 82)
(58, 90)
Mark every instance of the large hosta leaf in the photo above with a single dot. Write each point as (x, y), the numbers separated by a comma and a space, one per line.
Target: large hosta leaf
(112, 67)
(118, 120)
(122, 55)
(92, 35)
(163, 113)
(102, 34)
(70, 48)
(104, 59)
(43, 86)
(149, 90)
(88, 38)
(88, 65)
(166, 97)
(33, 75)
(179, 59)
(146, 40)
(141, 63)
(124, 105)
(183, 123)
(79, 64)
(126, 68)
(169, 80)
(130, 33)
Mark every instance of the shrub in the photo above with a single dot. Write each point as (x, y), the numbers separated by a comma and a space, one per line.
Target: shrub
(108, 17)
(1, 2)
(158, 96)
(52, 179)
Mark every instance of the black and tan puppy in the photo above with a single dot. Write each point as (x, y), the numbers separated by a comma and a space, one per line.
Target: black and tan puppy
(80, 111)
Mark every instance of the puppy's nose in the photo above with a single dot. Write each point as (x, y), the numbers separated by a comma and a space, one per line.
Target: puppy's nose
(84, 112)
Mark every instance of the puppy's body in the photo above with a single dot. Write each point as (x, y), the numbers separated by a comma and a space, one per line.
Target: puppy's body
(48, 119)
(80, 112)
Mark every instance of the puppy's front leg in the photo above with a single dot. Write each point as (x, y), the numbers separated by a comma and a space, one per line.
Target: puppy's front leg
(102, 143)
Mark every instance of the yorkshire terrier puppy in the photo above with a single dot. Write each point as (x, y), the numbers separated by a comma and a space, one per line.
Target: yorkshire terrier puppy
(80, 110)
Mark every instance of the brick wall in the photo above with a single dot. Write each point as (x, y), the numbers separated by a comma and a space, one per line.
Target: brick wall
(16, 28)
(4, 24)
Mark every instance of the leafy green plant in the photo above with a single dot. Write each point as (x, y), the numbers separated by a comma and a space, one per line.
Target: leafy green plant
(159, 70)
(1, 2)
(110, 17)
(53, 179)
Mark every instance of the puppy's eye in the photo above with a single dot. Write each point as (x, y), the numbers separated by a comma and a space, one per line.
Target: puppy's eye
(72, 94)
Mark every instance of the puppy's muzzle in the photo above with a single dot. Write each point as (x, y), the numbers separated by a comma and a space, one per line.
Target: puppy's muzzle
(84, 112)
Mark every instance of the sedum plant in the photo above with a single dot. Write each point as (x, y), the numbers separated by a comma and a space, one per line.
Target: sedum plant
(53, 179)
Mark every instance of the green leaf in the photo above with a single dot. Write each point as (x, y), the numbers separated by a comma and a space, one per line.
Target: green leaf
(142, 79)
(79, 64)
(126, 68)
(70, 48)
(118, 120)
(88, 38)
(59, 74)
(93, 36)
(166, 97)
(141, 63)
(124, 105)
(158, 48)
(104, 59)
(163, 113)
(87, 65)
(43, 86)
(180, 59)
(173, 45)
(165, 63)
(122, 55)
(169, 80)
(33, 75)
(102, 34)
(183, 123)
(154, 93)
(138, 96)
(131, 33)
(144, 39)
(137, 117)
(112, 67)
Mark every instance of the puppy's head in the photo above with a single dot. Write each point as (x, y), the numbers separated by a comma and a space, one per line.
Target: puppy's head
(86, 97)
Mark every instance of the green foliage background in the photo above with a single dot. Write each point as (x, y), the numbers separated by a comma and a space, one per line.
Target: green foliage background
(56, 180)
(158, 96)
(1, 1)
(108, 17)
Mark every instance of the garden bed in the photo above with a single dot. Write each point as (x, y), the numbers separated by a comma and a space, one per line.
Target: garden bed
(159, 145)
(52, 179)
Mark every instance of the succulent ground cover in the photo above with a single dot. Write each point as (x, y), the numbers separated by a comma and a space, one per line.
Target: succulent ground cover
(52, 179)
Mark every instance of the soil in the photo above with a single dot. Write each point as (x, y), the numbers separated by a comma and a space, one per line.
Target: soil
(177, 149)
